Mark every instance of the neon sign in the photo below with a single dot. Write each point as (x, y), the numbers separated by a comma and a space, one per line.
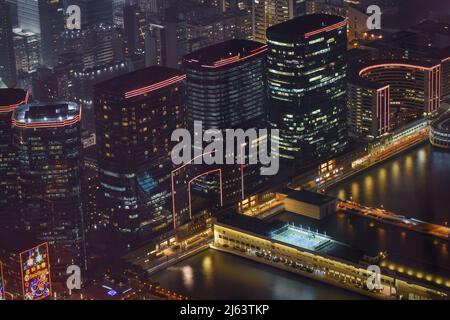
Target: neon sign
(35, 268)
(2, 283)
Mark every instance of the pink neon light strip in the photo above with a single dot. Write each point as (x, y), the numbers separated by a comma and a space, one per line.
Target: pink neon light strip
(383, 108)
(172, 175)
(54, 124)
(326, 29)
(153, 87)
(235, 59)
(10, 108)
(174, 212)
(393, 65)
(199, 176)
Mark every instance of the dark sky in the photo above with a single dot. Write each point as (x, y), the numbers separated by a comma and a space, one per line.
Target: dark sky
(412, 11)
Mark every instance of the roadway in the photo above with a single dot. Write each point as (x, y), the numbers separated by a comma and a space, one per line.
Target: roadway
(378, 214)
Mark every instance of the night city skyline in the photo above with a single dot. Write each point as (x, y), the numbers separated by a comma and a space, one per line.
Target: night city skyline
(212, 150)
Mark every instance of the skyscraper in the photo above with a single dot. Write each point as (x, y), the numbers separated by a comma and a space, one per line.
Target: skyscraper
(267, 13)
(7, 59)
(226, 89)
(47, 139)
(307, 87)
(45, 18)
(136, 114)
(134, 25)
(10, 99)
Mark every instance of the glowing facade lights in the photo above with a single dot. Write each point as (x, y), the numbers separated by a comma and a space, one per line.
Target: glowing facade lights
(154, 87)
(73, 116)
(432, 85)
(2, 283)
(12, 107)
(326, 29)
(35, 269)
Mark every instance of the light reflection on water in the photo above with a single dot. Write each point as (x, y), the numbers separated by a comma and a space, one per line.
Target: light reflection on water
(414, 184)
(217, 275)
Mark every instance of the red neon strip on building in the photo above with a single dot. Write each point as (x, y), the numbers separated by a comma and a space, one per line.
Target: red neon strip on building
(53, 124)
(153, 87)
(235, 59)
(394, 65)
(174, 213)
(199, 176)
(383, 109)
(326, 29)
(433, 83)
(12, 107)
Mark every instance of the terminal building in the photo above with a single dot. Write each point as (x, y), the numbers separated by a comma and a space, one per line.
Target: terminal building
(307, 203)
(310, 254)
(440, 132)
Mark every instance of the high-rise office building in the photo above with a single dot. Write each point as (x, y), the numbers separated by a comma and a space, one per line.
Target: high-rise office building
(7, 59)
(307, 71)
(45, 18)
(134, 29)
(226, 89)
(207, 31)
(368, 106)
(167, 40)
(10, 99)
(136, 114)
(47, 139)
(267, 13)
(27, 50)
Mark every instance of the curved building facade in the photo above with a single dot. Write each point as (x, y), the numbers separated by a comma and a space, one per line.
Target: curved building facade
(307, 72)
(414, 86)
(440, 132)
(226, 85)
(47, 138)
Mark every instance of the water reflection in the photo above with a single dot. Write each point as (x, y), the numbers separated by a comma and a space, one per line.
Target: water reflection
(415, 184)
(231, 277)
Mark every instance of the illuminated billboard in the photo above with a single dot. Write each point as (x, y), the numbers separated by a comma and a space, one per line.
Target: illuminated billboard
(2, 283)
(35, 267)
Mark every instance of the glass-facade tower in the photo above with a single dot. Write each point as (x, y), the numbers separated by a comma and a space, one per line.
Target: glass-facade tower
(307, 87)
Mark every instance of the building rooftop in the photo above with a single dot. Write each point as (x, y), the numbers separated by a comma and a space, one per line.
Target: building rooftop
(37, 115)
(442, 123)
(154, 77)
(10, 99)
(288, 234)
(310, 197)
(306, 25)
(224, 53)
